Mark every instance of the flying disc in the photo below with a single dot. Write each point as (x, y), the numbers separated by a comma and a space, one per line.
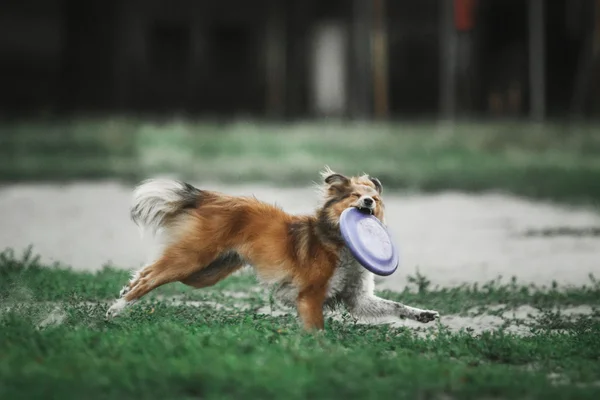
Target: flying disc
(369, 242)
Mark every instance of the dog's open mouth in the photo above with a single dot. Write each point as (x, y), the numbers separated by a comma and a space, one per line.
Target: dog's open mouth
(365, 210)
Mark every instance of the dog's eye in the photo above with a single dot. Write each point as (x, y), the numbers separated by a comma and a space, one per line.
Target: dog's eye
(355, 195)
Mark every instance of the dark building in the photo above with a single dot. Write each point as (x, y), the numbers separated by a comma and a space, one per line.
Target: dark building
(300, 58)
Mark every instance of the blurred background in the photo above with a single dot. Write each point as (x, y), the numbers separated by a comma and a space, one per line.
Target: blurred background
(271, 90)
(453, 96)
(301, 59)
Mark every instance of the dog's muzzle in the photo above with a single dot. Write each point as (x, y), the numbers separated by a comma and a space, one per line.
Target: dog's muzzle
(366, 205)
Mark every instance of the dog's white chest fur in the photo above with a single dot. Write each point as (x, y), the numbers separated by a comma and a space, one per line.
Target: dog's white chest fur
(349, 280)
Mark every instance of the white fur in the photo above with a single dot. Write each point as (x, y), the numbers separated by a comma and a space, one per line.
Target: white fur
(153, 199)
(117, 307)
(325, 172)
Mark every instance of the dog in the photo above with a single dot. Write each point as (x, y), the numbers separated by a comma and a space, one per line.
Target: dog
(210, 235)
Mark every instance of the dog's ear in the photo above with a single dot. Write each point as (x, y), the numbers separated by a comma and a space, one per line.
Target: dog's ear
(336, 179)
(333, 178)
(377, 184)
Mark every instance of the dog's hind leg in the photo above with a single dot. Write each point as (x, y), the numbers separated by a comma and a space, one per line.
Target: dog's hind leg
(226, 264)
(174, 265)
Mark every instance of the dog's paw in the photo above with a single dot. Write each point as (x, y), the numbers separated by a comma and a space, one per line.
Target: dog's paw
(116, 308)
(427, 316)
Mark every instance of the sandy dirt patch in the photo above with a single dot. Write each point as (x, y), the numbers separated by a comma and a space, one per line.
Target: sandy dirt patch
(451, 238)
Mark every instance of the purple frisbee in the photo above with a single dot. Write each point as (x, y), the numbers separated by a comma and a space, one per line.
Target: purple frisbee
(369, 242)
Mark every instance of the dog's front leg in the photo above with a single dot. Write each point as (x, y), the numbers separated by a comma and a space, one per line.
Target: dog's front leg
(371, 306)
(361, 302)
(310, 307)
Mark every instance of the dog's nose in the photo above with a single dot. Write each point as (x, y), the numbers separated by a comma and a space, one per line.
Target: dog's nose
(367, 201)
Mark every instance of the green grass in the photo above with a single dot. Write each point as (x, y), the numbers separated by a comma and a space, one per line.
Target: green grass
(550, 161)
(23, 278)
(55, 343)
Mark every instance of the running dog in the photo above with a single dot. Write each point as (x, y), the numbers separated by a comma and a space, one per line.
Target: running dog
(209, 235)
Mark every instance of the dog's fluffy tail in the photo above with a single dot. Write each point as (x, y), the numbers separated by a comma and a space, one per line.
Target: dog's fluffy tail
(156, 201)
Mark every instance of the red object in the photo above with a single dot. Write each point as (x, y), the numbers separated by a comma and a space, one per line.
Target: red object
(464, 14)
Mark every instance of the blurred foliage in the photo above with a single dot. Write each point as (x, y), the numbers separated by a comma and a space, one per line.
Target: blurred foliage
(550, 161)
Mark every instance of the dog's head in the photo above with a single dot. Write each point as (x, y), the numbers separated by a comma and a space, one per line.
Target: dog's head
(340, 192)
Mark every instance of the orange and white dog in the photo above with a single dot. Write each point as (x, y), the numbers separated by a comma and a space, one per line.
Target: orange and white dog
(209, 235)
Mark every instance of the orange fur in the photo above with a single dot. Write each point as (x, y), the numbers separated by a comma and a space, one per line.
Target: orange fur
(218, 234)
